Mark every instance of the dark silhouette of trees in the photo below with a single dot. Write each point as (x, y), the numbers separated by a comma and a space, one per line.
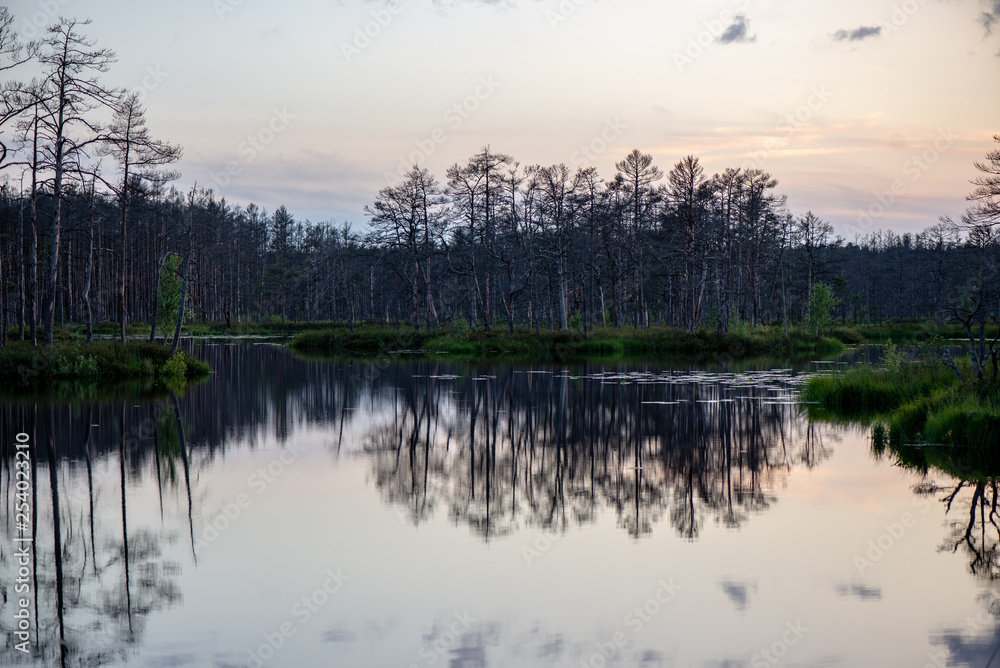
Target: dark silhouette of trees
(128, 141)
(71, 64)
(497, 244)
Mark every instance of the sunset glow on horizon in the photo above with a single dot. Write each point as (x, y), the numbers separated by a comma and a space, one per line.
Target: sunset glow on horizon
(870, 114)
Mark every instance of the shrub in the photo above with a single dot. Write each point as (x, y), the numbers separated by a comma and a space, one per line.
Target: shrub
(174, 370)
(894, 358)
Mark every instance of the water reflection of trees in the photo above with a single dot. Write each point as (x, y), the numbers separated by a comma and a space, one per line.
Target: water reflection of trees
(971, 508)
(965, 480)
(519, 449)
(94, 579)
(503, 452)
(965, 483)
(98, 572)
(978, 533)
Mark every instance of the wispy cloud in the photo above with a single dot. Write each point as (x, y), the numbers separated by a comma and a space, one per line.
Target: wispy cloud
(990, 16)
(738, 32)
(858, 34)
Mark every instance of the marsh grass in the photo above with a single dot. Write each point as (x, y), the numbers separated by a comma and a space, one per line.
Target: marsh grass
(917, 402)
(24, 365)
(370, 341)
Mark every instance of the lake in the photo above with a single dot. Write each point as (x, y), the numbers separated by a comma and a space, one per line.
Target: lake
(412, 514)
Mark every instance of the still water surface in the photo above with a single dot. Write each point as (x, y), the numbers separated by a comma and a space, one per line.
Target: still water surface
(296, 513)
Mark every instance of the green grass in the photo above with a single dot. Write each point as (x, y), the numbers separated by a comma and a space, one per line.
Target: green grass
(59, 334)
(864, 391)
(911, 331)
(372, 341)
(25, 366)
(921, 402)
(105, 329)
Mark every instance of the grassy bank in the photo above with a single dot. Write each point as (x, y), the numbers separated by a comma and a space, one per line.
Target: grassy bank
(108, 329)
(905, 332)
(913, 402)
(23, 365)
(369, 341)
(911, 332)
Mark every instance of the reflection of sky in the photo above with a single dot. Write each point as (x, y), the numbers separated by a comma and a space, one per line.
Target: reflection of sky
(793, 564)
(222, 74)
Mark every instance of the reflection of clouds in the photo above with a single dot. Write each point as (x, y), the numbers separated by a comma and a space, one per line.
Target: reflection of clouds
(552, 648)
(739, 592)
(339, 636)
(964, 650)
(470, 653)
(858, 590)
(653, 659)
(500, 644)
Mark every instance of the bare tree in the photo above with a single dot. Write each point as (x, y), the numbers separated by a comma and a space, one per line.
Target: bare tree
(688, 192)
(12, 53)
(407, 218)
(71, 64)
(639, 173)
(813, 234)
(986, 194)
(557, 188)
(128, 141)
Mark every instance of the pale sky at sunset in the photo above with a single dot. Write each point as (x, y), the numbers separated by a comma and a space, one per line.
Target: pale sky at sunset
(548, 78)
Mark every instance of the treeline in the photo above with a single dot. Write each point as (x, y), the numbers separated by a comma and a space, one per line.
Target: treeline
(495, 244)
(538, 247)
(57, 128)
(548, 247)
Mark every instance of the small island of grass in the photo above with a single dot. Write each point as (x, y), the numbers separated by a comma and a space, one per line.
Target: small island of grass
(371, 341)
(27, 367)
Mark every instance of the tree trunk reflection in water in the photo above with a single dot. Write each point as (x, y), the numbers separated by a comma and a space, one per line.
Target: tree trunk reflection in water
(187, 472)
(645, 445)
(121, 460)
(57, 548)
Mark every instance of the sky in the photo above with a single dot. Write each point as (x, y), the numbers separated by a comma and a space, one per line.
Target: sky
(870, 113)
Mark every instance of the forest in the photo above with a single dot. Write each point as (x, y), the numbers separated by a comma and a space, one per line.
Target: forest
(94, 229)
